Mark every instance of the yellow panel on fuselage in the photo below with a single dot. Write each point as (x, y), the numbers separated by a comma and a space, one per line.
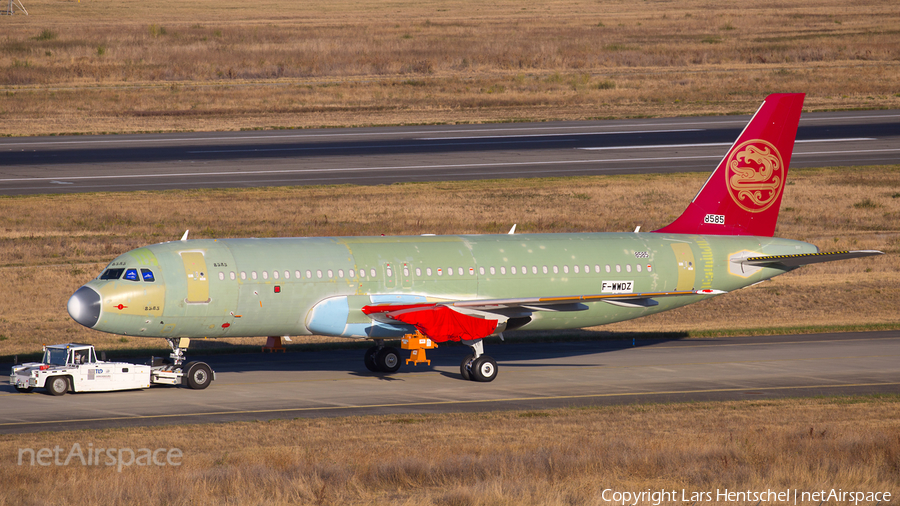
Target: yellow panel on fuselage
(197, 277)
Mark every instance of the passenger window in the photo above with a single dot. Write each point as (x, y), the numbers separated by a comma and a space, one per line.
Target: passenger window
(459, 270)
(330, 273)
(297, 274)
(493, 271)
(618, 268)
(221, 276)
(112, 274)
(390, 272)
(513, 269)
(544, 268)
(309, 274)
(230, 274)
(131, 275)
(275, 274)
(502, 269)
(428, 271)
(649, 268)
(243, 275)
(340, 273)
(597, 268)
(576, 269)
(587, 269)
(524, 269)
(440, 272)
(418, 271)
(481, 270)
(147, 274)
(405, 271)
(607, 268)
(319, 273)
(566, 269)
(372, 273)
(265, 274)
(253, 274)
(639, 267)
(287, 274)
(534, 269)
(351, 273)
(628, 268)
(450, 271)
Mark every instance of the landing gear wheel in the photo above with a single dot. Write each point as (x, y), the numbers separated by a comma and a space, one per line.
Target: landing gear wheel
(24, 390)
(369, 359)
(484, 369)
(198, 375)
(388, 360)
(58, 385)
(465, 366)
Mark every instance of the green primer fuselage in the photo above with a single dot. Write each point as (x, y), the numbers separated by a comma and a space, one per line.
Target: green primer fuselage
(297, 286)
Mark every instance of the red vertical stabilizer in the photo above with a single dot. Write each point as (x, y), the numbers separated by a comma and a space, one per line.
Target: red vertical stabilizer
(743, 195)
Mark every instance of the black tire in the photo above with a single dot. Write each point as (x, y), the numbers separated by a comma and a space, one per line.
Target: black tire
(388, 360)
(484, 369)
(185, 368)
(199, 375)
(57, 385)
(24, 390)
(465, 366)
(369, 359)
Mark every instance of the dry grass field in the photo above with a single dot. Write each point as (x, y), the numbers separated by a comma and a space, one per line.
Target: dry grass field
(552, 457)
(52, 244)
(131, 65)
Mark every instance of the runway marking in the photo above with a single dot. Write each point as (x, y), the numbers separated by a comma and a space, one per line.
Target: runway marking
(624, 132)
(418, 145)
(654, 146)
(440, 403)
(420, 167)
(325, 148)
(712, 121)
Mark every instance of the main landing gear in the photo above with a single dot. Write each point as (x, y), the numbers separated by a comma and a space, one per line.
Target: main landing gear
(477, 366)
(381, 358)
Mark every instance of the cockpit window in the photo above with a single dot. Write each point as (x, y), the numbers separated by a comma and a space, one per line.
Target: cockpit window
(112, 274)
(147, 274)
(132, 275)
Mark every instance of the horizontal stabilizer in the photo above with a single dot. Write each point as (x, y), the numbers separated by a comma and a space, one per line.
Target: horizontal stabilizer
(808, 258)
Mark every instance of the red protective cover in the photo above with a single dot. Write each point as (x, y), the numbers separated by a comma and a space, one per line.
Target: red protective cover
(440, 323)
(743, 195)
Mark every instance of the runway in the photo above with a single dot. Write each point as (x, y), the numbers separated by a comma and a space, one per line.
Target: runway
(369, 156)
(531, 376)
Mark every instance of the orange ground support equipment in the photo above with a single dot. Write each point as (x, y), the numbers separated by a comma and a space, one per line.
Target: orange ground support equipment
(273, 344)
(417, 344)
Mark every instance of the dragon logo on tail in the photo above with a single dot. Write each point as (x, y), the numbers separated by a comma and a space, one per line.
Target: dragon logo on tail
(754, 175)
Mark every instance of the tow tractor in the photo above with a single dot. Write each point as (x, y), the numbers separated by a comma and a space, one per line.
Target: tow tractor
(75, 366)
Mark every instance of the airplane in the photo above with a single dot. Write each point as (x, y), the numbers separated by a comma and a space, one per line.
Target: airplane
(464, 288)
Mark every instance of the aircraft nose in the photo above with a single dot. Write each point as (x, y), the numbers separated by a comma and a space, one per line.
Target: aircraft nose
(84, 306)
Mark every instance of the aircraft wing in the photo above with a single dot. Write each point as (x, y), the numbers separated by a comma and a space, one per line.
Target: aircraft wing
(807, 258)
(476, 319)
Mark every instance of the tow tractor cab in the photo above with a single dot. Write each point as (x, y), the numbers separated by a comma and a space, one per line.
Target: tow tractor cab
(76, 367)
